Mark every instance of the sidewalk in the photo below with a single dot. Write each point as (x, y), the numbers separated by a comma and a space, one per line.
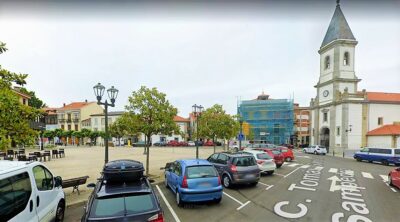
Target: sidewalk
(342, 153)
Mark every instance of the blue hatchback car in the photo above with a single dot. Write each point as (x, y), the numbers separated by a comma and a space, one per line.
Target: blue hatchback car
(193, 180)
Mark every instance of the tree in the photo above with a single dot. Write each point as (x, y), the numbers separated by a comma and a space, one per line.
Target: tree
(15, 117)
(49, 134)
(154, 115)
(215, 123)
(85, 134)
(78, 135)
(33, 101)
(93, 137)
(117, 130)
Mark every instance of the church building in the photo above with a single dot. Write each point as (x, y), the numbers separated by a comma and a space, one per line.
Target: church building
(341, 114)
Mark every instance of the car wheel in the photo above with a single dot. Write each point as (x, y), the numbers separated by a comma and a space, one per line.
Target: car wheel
(358, 159)
(315, 152)
(278, 166)
(179, 201)
(60, 212)
(270, 172)
(226, 181)
(385, 162)
(390, 180)
(288, 159)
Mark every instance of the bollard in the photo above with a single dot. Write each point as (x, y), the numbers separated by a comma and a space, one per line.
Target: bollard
(333, 152)
(343, 154)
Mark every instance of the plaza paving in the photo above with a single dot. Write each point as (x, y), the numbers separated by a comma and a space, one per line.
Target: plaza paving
(88, 161)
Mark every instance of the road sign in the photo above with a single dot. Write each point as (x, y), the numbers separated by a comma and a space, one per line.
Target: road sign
(246, 128)
(240, 137)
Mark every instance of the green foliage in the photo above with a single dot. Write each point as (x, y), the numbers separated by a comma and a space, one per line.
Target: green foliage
(59, 133)
(117, 129)
(49, 134)
(33, 101)
(215, 123)
(2, 47)
(86, 132)
(153, 115)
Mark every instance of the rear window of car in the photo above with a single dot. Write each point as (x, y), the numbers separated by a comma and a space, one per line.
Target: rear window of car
(263, 156)
(194, 172)
(244, 161)
(276, 152)
(123, 206)
(397, 151)
(322, 147)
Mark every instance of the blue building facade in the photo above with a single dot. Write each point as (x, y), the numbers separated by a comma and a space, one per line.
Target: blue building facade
(270, 120)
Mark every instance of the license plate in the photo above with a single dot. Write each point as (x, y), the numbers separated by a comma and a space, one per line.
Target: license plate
(248, 176)
(204, 184)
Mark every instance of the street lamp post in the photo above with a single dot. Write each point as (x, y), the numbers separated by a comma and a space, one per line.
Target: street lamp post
(197, 110)
(241, 131)
(112, 94)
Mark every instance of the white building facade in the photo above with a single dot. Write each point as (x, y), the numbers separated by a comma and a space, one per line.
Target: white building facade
(342, 115)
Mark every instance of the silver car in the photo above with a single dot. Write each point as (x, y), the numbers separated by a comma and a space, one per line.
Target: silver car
(264, 161)
(316, 149)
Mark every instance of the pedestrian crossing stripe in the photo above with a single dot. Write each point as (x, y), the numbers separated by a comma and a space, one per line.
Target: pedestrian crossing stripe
(305, 166)
(333, 170)
(367, 175)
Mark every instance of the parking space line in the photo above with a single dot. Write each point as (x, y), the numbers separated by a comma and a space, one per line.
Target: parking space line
(233, 198)
(278, 174)
(293, 171)
(243, 205)
(333, 170)
(168, 205)
(394, 190)
(305, 166)
(293, 164)
(384, 178)
(367, 175)
(268, 186)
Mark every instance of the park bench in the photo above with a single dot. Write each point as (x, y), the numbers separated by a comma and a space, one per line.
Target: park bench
(74, 183)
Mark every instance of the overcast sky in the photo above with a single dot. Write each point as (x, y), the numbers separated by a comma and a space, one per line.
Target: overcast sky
(202, 53)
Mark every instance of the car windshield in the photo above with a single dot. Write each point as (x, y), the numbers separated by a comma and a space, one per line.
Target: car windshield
(276, 152)
(263, 156)
(244, 161)
(122, 206)
(194, 172)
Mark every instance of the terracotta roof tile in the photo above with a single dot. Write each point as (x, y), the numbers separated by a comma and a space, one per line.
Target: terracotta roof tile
(75, 105)
(50, 111)
(391, 129)
(382, 96)
(180, 119)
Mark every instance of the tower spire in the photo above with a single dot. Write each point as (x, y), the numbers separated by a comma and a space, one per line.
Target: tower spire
(337, 2)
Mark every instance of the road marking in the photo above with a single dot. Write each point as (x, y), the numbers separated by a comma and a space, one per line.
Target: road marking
(292, 172)
(334, 186)
(263, 183)
(243, 205)
(168, 205)
(293, 165)
(367, 175)
(233, 198)
(319, 168)
(394, 190)
(278, 174)
(304, 157)
(333, 170)
(268, 186)
(385, 178)
(305, 166)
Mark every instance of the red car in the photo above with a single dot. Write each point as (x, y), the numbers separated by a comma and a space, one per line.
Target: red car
(287, 153)
(276, 154)
(173, 143)
(208, 143)
(394, 177)
(183, 143)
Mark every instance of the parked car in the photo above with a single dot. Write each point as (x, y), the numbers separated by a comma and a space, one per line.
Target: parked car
(290, 146)
(217, 143)
(200, 143)
(160, 143)
(139, 144)
(183, 143)
(30, 192)
(173, 143)
(316, 149)
(123, 194)
(208, 143)
(264, 161)
(276, 154)
(236, 168)
(191, 143)
(394, 177)
(384, 155)
(193, 181)
(286, 152)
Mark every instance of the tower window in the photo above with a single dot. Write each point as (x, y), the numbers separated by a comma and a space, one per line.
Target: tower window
(325, 117)
(327, 62)
(346, 60)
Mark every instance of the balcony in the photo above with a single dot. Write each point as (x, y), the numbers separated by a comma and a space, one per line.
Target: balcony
(61, 120)
(76, 120)
(69, 120)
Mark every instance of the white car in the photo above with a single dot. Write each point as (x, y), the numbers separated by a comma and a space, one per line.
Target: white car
(29, 192)
(316, 149)
(191, 143)
(265, 163)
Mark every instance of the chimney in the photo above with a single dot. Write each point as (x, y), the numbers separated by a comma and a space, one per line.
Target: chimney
(85, 100)
(64, 104)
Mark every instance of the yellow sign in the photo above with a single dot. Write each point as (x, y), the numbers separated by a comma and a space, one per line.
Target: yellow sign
(246, 128)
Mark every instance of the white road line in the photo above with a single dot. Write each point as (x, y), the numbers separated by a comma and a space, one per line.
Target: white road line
(333, 170)
(263, 183)
(305, 166)
(319, 168)
(243, 205)
(269, 187)
(293, 165)
(394, 190)
(168, 205)
(385, 178)
(291, 172)
(367, 175)
(278, 174)
(233, 198)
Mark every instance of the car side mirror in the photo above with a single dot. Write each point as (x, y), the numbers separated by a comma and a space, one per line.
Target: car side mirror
(58, 181)
(91, 185)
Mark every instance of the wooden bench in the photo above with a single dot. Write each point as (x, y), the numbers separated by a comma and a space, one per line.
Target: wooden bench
(74, 182)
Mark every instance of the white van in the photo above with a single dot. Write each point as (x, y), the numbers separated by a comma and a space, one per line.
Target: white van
(30, 192)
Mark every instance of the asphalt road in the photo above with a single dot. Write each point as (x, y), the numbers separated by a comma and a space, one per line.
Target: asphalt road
(312, 188)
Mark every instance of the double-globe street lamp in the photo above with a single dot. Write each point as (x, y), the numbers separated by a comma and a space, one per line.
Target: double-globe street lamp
(197, 110)
(112, 94)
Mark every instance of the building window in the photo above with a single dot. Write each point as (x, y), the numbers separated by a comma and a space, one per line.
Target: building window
(338, 131)
(325, 117)
(276, 128)
(69, 127)
(76, 127)
(103, 120)
(24, 101)
(62, 127)
(96, 122)
(327, 62)
(346, 60)
(380, 121)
